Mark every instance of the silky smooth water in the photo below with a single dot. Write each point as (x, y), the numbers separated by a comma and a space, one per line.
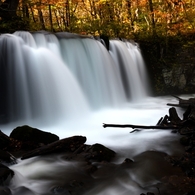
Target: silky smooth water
(42, 174)
(71, 85)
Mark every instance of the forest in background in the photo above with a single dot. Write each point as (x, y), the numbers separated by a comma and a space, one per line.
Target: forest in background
(114, 18)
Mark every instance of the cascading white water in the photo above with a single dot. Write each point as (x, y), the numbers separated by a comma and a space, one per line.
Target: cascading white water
(44, 75)
(95, 70)
(39, 84)
(131, 66)
(71, 85)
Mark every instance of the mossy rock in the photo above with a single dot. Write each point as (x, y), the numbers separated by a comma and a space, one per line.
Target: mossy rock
(29, 134)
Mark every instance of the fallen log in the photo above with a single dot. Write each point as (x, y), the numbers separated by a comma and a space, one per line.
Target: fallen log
(176, 105)
(182, 102)
(63, 145)
(140, 126)
(168, 122)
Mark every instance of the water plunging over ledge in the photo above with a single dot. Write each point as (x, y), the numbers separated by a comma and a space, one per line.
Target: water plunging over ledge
(42, 75)
(70, 85)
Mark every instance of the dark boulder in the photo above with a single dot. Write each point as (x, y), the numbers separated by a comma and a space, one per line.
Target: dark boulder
(69, 144)
(7, 158)
(4, 140)
(95, 152)
(6, 175)
(5, 191)
(29, 134)
(99, 153)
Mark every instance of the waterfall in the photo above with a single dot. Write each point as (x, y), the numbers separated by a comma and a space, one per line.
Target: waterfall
(69, 85)
(131, 67)
(48, 76)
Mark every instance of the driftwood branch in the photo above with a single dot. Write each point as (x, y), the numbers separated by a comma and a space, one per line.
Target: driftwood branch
(182, 102)
(140, 126)
(172, 121)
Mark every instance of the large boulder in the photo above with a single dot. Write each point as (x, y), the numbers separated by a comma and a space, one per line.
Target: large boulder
(29, 134)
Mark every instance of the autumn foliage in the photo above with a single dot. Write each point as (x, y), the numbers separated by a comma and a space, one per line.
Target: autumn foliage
(115, 18)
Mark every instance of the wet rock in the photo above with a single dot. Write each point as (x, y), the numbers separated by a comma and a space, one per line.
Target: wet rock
(92, 153)
(7, 158)
(4, 140)
(78, 185)
(176, 185)
(26, 133)
(69, 144)
(6, 175)
(90, 168)
(127, 161)
(99, 153)
(60, 191)
(5, 191)
(174, 77)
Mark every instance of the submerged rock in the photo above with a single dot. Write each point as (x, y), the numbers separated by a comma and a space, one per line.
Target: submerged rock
(5, 191)
(148, 193)
(60, 190)
(23, 191)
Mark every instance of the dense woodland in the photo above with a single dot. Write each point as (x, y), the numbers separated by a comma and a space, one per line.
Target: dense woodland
(114, 18)
(164, 30)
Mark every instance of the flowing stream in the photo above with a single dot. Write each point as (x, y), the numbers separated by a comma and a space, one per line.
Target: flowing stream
(71, 85)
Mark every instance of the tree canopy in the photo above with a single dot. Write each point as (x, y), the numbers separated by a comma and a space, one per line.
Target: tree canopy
(115, 18)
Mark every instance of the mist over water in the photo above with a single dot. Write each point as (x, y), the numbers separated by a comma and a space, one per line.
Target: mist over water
(70, 85)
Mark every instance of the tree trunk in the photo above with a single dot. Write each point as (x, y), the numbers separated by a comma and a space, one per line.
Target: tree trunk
(152, 17)
(57, 20)
(67, 15)
(33, 16)
(8, 9)
(41, 19)
(50, 18)
(129, 14)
